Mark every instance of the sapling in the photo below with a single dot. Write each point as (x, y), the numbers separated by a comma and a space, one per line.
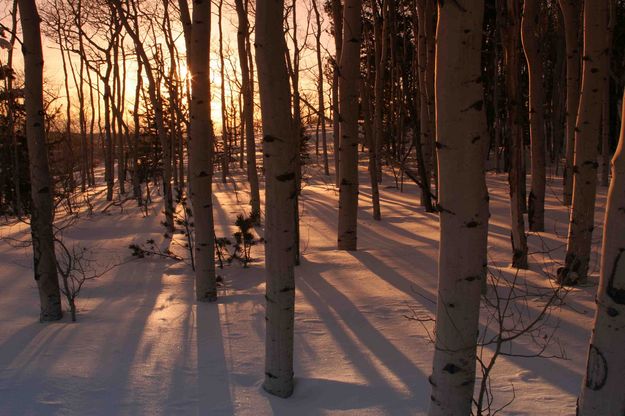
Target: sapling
(244, 239)
(183, 218)
(76, 266)
(221, 250)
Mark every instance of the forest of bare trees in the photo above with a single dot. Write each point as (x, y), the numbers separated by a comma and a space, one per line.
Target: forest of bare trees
(160, 103)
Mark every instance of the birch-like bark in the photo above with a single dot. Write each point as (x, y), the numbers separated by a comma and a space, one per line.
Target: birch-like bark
(8, 83)
(510, 14)
(594, 75)
(605, 112)
(320, 90)
(425, 141)
(463, 197)
(337, 19)
(380, 59)
(248, 108)
(348, 107)
(201, 149)
(366, 82)
(42, 208)
(430, 43)
(280, 146)
(136, 180)
(530, 26)
(602, 391)
(571, 12)
(225, 157)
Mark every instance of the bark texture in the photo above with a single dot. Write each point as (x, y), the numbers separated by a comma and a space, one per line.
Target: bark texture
(530, 27)
(509, 24)
(41, 186)
(337, 18)
(280, 146)
(572, 28)
(248, 108)
(603, 392)
(348, 105)
(587, 133)
(201, 152)
(463, 198)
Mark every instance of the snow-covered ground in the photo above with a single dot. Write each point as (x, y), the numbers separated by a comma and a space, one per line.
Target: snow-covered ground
(143, 346)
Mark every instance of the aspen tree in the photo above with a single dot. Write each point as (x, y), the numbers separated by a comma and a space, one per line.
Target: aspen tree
(42, 208)
(571, 12)
(509, 14)
(248, 106)
(430, 43)
(320, 89)
(17, 201)
(530, 27)
(225, 159)
(337, 20)
(603, 392)
(463, 198)
(349, 73)
(380, 57)
(201, 150)
(602, 389)
(153, 93)
(280, 146)
(594, 74)
(425, 140)
(605, 112)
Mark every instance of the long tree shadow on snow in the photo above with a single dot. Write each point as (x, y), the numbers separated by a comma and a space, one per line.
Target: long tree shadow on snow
(330, 303)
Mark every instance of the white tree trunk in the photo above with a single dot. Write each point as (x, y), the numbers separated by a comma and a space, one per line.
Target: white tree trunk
(280, 146)
(426, 124)
(463, 198)
(248, 108)
(530, 26)
(201, 149)
(320, 89)
(509, 15)
(41, 185)
(572, 28)
(337, 18)
(594, 74)
(603, 391)
(348, 105)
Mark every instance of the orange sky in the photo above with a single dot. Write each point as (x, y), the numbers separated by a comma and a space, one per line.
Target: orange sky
(53, 71)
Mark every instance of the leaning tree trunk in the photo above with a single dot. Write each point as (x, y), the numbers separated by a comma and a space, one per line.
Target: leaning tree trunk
(571, 12)
(348, 106)
(280, 146)
(201, 149)
(594, 74)
(602, 392)
(463, 198)
(42, 208)
(530, 26)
